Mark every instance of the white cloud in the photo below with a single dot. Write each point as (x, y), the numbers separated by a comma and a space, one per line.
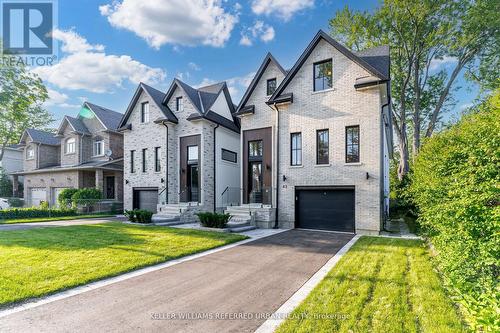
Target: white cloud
(284, 9)
(88, 67)
(439, 63)
(182, 22)
(259, 30)
(194, 66)
(58, 99)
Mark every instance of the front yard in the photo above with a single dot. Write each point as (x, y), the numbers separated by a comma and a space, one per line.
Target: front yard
(41, 261)
(380, 285)
(60, 218)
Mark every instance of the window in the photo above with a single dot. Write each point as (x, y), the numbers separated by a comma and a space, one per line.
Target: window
(157, 159)
(30, 153)
(352, 144)
(145, 112)
(322, 147)
(296, 148)
(98, 147)
(179, 105)
(323, 75)
(271, 86)
(228, 155)
(192, 153)
(70, 146)
(132, 161)
(255, 148)
(144, 151)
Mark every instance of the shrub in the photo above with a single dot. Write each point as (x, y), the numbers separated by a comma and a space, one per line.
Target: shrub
(15, 202)
(131, 215)
(32, 212)
(86, 197)
(213, 220)
(44, 205)
(455, 185)
(64, 198)
(139, 215)
(5, 184)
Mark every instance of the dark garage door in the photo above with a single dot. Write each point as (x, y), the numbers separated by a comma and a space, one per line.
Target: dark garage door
(325, 209)
(146, 199)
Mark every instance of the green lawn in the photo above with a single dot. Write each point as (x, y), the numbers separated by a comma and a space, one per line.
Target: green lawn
(47, 219)
(381, 285)
(40, 261)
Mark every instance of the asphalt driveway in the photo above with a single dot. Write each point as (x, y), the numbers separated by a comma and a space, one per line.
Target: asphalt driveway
(227, 291)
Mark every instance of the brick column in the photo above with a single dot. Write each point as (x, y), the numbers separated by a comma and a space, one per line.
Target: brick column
(99, 180)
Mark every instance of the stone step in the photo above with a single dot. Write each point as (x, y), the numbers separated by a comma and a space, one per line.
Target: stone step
(243, 229)
(168, 224)
(238, 223)
(163, 218)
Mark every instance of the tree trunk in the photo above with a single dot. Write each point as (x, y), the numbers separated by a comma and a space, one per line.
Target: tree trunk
(416, 111)
(404, 165)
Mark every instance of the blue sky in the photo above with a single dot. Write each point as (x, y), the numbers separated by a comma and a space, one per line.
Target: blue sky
(106, 47)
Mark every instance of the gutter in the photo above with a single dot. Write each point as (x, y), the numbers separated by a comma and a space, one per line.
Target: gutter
(215, 167)
(276, 223)
(166, 164)
(381, 182)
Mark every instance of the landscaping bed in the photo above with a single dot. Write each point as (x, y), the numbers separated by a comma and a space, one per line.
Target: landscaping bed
(380, 285)
(42, 261)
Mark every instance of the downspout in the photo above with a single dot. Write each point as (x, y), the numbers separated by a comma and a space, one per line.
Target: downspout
(166, 164)
(215, 167)
(382, 173)
(276, 223)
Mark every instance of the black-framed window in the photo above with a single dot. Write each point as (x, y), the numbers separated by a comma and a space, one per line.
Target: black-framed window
(145, 112)
(296, 149)
(255, 148)
(179, 104)
(157, 159)
(271, 86)
(132, 161)
(322, 146)
(323, 75)
(144, 153)
(352, 144)
(228, 155)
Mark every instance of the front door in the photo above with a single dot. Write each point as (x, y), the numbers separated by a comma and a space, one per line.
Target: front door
(193, 183)
(255, 182)
(110, 187)
(190, 168)
(257, 166)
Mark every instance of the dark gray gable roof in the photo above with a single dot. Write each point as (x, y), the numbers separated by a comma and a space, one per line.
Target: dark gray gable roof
(216, 118)
(319, 36)
(378, 57)
(268, 59)
(157, 97)
(110, 119)
(77, 125)
(43, 137)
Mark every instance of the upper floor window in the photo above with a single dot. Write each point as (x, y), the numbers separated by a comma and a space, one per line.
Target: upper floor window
(157, 159)
(145, 112)
(352, 144)
(132, 161)
(322, 146)
(30, 153)
(296, 149)
(323, 75)
(179, 104)
(228, 155)
(271, 86)
(98, 147)
(70, 146)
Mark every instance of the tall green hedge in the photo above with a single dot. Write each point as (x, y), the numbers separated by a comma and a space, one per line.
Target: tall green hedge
(456, 186)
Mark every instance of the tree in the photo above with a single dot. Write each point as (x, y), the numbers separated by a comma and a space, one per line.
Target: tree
(22, 94)
(5, 184)
(419, 33)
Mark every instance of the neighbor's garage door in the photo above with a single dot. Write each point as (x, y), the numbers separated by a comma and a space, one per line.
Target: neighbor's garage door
(325, 209)
(146, 198)
(37, 195)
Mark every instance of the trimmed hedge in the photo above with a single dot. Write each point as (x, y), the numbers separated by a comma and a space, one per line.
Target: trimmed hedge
(455, 186)
(139, 216)
(25, 213)
(214, 220)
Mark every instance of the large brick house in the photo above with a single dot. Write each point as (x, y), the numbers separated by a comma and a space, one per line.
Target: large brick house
(86, 151)
(316, 141)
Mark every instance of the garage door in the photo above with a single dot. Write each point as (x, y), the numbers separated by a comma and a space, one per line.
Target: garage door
(146, 199)
(37, 195)
(325, 209)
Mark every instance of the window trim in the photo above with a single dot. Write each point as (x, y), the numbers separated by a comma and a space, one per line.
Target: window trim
(358, 144)
(275, 86)
(30, 149)
(143, 113)
(157, 159)
(101, 141)
(296, 149)
(231, 152)
(144, 156)
(328, 146)
(177, 104)
(314, 74)
(132, 161)
(66, 143)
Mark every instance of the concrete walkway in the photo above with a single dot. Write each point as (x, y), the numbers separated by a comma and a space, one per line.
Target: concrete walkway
(63, 223)
(233, 290)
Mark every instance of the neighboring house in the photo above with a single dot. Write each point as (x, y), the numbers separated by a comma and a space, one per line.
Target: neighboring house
(86, 152)
(12, 162)
(181, 149)
(316, 140)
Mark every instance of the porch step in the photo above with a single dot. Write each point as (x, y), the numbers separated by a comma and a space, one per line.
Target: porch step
(168, 224)
(157, 218)
(242, 229)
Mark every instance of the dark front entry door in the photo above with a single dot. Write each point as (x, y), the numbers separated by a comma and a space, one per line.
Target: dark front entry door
(110, 187)
(193, 183)
(190, 168)
(325, 209)
(257, 166)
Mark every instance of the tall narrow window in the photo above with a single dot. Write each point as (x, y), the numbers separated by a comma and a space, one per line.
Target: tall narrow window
(132, 161)
(144, 152)
(323, 75)
(352, 144)
(296, 148)
(322, 146)
(271, 86)
(145, 112)
(98, 149)
(30, 153)
(157, 159)
(179, 104)
(70, 146)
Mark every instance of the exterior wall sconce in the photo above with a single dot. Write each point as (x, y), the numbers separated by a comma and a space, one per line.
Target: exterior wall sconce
(126, 181)
(367, 175)
(284, 178)
(162, 180)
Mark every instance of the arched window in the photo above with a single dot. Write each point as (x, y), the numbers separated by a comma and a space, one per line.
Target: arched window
(70, 146)
(98, 145)
(30, 153)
